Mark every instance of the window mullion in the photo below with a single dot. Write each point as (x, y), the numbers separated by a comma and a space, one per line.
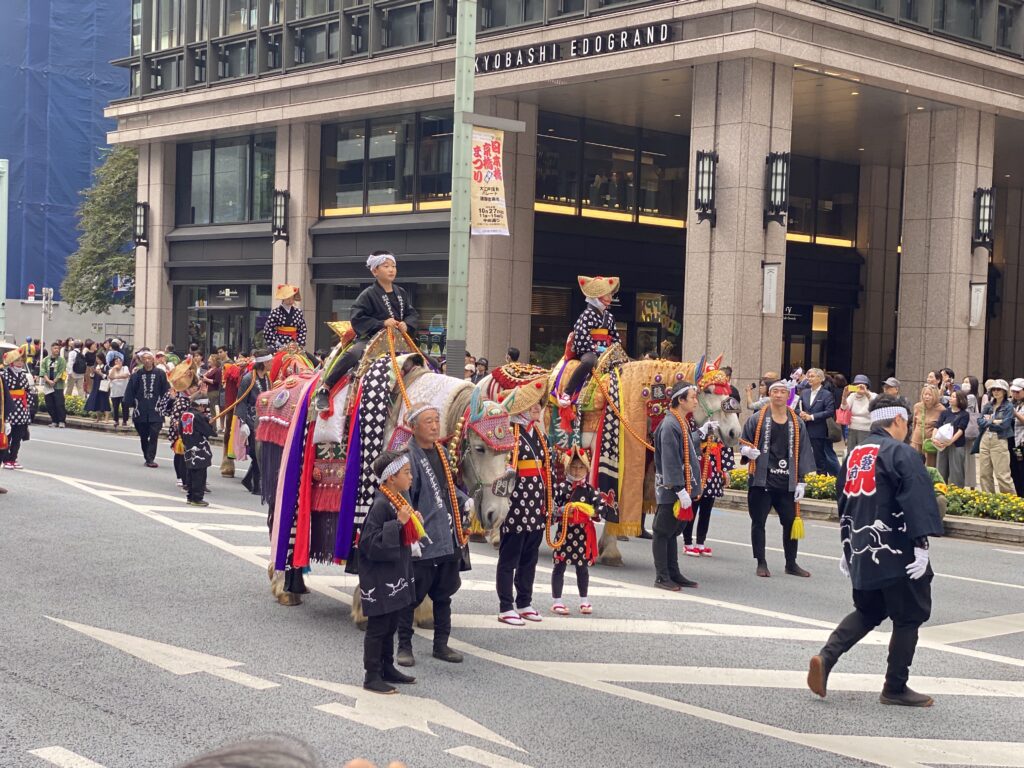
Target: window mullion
(366, 166)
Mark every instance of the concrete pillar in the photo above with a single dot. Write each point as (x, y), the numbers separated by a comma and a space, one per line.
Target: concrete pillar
(742, 109)
(878, 238)
(1005, 352)
(297, 169)
(153, 301)
(501, 268)
(949, 155)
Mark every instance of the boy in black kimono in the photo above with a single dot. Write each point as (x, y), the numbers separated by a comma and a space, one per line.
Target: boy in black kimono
(386, 581)
(382, 305)
(196, 430)
(580, 545)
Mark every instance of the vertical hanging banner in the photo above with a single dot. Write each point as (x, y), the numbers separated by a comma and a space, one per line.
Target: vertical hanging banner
(487, 187)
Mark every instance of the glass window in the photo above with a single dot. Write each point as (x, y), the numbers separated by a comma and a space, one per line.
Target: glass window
(235, 60)
(426, 22)
(237, 16)
(274, 15)
(310, 45)
(910, 10)
(566, 7)
(199, 65)
(193, 183)
(609, 154)
(273, 51)
(305, 8)
(136, 80)
(230, 174)
(958, 17)
(399, 27)
(391, 167)
(664, 160)
(264, 148)
(1004, 25)
(436, 138)
(167, 23)
(136, 26)
(359, 36)
(332, 41)
(493, 14)
(801, 195)
(202, 22)
(165, 74)
(558, 143)
(344, 153)
(837, 202)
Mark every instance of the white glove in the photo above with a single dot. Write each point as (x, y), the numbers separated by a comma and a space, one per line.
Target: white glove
(798, 494)
(844, 567)
(244, 429)
(749, 452)
(917, 568)
(706, 427)
(7, 427)
(469, 506)
(685, 502)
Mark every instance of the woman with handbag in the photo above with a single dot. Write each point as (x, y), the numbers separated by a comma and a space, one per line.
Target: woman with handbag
(971, 388)
(926, 419)
(950, 459)
(99, 398)
(996, 425)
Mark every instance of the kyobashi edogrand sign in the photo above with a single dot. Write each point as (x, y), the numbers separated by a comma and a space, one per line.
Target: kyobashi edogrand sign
(575, 48)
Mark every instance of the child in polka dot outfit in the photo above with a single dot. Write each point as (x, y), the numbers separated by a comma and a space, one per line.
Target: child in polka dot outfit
(577, 505)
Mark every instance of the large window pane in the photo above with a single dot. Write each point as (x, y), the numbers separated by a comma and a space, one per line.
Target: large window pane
(311, 45)
(801, 195)
(506, 13)
(230, 176)
(436, 136)
(566, 7)
(304, 8)
(400, 27)
(136, 26)
(235, 60)
(202, 21)
(558, 144)
(837, 202)
(341, 177)
(663, 176)
(958, 17)
(264, 147)
(391, 169)
(165, 74)
(237, 16)
(167, 21)
(192, 193)
(609, 156)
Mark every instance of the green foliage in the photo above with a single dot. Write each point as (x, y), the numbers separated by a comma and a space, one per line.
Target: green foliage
(546, 355)
(73, 404)
(105, 243)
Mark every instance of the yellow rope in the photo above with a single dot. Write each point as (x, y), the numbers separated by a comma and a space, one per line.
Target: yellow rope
(618, 414)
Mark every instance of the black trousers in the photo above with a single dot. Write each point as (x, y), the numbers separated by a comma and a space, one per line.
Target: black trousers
(579, 376)
(55, 406)
(760, 502)
(251, 481)
(702, 517)
(825, 458)
(517, 567)
(379, 643)
(908, 603)
(18, 433)
(438, 578)
(117, 407)
(558, 579)
(196, 483)
(149, 438)
(665, 544)
(179, 470)
(1017, 468)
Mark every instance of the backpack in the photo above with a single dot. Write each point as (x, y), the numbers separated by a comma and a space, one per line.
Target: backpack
(79, 365)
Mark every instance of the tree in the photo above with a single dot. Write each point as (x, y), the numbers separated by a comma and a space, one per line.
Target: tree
(105, 249)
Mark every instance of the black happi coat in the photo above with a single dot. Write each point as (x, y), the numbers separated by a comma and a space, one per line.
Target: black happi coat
(669, 467)
(432, 499)
(386, 583)
(143, 393)
(886, 503)
(247, 408)
(370, 310)
(196, 431)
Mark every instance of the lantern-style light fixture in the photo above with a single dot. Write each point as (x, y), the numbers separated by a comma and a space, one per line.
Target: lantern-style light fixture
(279, 219)
(704, 198)
(776, 187)
(984, 215)
(140, 227)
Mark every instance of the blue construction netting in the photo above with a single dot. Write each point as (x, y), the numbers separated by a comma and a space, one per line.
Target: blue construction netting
(55, 80)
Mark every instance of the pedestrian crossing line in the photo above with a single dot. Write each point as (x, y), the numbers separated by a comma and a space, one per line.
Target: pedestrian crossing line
(63, 758)
(213, 510)
(975, 629)
(228, 527)
(136, 454)
(483, 757)
(1011, 551)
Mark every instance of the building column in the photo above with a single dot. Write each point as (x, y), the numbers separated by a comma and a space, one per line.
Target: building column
(742, 109)
(153, 299)
(878, 240)
(1005, 353)
(501, 268)
(297, 169)
(949, 154)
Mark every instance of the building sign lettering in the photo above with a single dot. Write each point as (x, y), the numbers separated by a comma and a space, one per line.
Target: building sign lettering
(576, 48)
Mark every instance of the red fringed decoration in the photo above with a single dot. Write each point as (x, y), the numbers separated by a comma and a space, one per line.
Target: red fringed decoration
(682, 514)
(328, 479)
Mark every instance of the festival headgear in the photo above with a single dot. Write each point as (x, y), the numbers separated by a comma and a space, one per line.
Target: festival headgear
(860, 378)
(145, 352)
(392, 469)
(285, 291)
(512, 375)
(261, 356)
(13, 356)
(679, 391)
(716, 381)
(576, 453)
(418, 409)
(1001, 384)
(470, 368)
(389, 462)
(780, 384)
(523, 398)
(182, 376)
(596, 287)
(343, 330)
(376, 259)
(891, 412)
(491, 424)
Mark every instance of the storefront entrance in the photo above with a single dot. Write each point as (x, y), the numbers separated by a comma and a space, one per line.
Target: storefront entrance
(229, 316)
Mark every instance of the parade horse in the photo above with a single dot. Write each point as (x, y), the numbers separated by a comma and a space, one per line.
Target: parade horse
(617, 413)
(323, 483)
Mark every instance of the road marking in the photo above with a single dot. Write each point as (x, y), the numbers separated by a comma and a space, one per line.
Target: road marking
(230, 527)
(405, 711)
(776, 678)
(170, 658)
(483, 757)
(1011, 551)
(136, 454)
(64, 758)
(975, 629)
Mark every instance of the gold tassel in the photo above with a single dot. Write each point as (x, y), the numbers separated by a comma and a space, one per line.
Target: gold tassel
(798, 528)
(474, 525)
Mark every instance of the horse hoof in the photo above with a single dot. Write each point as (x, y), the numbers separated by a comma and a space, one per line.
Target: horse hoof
(289, 599)
(270, 571)
(613, 562)
(277, 586)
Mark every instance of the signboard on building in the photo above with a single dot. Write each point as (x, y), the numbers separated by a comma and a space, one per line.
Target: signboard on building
(487, 185)
(575, 48)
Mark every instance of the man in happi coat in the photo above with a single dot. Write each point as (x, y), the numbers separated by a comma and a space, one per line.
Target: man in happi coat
(147, 385)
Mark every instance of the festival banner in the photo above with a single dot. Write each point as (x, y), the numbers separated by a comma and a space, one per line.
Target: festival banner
(487, 187)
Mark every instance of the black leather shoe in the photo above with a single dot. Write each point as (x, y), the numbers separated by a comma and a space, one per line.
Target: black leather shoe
(377, 685)
(907, 698)
(669, 586)
(447, 654)
(404, 658)
(645, 534)
(817, 676)
(682, 581)
(392, 675)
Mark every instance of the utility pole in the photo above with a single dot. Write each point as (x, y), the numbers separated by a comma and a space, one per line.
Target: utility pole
(4, 186)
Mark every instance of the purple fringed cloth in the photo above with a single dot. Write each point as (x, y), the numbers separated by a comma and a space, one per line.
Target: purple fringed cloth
(287, 498)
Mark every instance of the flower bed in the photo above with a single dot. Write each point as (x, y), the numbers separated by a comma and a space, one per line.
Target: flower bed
(959, 501)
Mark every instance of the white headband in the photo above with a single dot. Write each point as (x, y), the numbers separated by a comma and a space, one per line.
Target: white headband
(394, 466)
(891, 412)
(375, 260)
(777, 384)
(416, 412)
(681, 394)
(264, 359)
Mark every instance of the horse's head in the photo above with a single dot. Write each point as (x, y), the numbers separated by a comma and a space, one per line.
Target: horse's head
(715, 401)
(485, 449)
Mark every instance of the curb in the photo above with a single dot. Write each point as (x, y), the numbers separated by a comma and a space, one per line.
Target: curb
(89, 425)
(958, 527)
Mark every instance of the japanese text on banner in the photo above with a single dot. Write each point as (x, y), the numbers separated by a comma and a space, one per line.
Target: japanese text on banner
(488, 183)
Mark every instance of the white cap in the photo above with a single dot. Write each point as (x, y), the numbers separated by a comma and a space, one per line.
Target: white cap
(1017, 385)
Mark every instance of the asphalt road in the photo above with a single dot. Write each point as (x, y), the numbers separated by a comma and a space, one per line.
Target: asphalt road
(137, 631)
